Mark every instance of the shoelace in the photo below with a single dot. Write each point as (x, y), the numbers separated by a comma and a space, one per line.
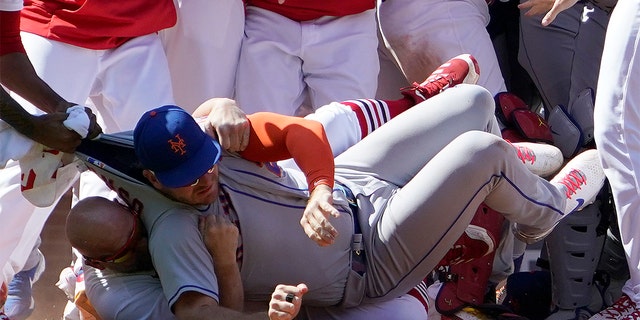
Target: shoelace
(573, 181)
(525, 154)
(436, 85)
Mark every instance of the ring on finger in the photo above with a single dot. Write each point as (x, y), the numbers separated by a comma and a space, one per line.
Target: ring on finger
(289, 298)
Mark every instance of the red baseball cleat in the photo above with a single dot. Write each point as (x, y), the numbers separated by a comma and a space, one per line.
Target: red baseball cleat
(461, 69)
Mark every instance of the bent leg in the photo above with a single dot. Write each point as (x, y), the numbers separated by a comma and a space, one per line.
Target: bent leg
(398, 150)
(423, 219)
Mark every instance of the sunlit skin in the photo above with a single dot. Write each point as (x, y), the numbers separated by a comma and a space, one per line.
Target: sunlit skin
(203, 193)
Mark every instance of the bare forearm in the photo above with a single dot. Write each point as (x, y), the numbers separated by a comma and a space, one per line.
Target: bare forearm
(230, 284)
(13, 113)
(195, 306)
(18, 75)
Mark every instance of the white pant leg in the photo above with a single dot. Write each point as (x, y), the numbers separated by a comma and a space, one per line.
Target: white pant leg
(280, 58)
(131, 80)
(340, 58)
(203, 49)
(617, 128)
(390, 78)
(67, 69)
(340, 125)
(425, 34)
(21, 223)
(269, 74)
(123, 83)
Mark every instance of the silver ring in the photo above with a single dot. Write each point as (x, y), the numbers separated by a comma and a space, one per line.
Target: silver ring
(289, 298)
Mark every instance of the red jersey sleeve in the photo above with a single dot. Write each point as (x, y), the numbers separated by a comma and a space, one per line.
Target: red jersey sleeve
(10, 40)
(277, 137)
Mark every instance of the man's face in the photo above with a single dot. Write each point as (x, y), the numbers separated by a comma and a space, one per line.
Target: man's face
(203, 191)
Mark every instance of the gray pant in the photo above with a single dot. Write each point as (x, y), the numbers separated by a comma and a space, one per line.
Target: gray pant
(420, 178)
(564, 57)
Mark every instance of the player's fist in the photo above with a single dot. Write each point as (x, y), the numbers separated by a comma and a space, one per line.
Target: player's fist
(226, 122)
(286, 301)
(220, 236)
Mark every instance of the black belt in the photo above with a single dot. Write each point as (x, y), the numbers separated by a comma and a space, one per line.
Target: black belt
(358, 259)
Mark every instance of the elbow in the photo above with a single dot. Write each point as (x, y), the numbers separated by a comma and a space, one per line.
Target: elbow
(191, 304)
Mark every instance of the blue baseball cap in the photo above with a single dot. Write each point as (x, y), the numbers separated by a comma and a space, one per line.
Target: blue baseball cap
(169, 142)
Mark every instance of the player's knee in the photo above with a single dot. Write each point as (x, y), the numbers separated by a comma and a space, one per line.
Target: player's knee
(482, 105)
(479, 143)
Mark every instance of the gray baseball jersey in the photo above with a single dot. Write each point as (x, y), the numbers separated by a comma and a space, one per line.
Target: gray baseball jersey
(418, 181)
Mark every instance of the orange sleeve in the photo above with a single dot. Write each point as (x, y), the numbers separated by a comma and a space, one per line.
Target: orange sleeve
(277, 137)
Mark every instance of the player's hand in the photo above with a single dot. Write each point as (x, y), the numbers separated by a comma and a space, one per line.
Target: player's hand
(227, 123)
(94, 128)
(551, 8)
(220, 236)
(315, 219)
(49, 130)
(280, 308)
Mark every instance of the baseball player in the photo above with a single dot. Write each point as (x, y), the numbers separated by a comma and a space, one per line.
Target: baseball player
(118, 232)
(310, 53)
(113, 56)
(616, 134)
(340, 263)
(362, 115)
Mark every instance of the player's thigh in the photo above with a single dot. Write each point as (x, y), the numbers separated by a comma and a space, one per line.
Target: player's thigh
(547, 53)
(269, 74)
(396, 151)
(340, 58)
(203, 50)
(589, 46)
(426, 216)
(68, 70)
(340, 124)
(134, 78)
(425, 34)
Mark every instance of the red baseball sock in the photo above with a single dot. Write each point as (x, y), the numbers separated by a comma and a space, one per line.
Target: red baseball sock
(373, 113)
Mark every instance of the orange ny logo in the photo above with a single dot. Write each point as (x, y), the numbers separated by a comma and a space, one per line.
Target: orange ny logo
(177, 145)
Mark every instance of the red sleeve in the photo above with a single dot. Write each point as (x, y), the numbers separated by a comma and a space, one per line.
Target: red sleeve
(277, 137)
(10, 40)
